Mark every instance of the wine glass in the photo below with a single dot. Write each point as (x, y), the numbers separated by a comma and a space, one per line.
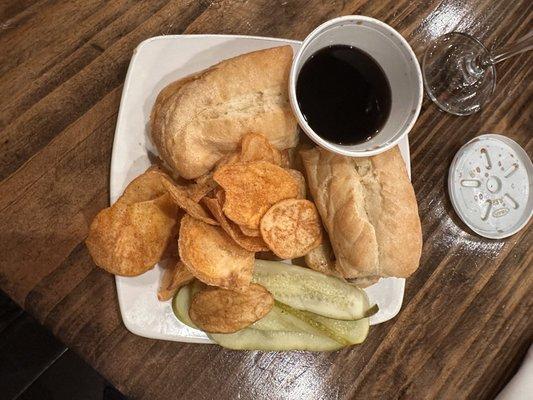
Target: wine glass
(459, 71)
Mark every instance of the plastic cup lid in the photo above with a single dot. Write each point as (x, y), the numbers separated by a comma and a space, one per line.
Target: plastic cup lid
(490, 182)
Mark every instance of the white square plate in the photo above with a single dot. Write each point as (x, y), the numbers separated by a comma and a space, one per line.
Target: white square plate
(155, 63)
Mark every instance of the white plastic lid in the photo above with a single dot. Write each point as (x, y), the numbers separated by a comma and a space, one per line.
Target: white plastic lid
(490, 182)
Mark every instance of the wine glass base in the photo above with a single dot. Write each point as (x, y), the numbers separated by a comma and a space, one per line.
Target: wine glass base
(453, 78)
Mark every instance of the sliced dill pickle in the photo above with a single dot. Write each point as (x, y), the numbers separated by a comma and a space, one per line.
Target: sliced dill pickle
(308, 290)
(274, 340)
(343, 331)
(181, 303)
(279, 330)
(284, 327)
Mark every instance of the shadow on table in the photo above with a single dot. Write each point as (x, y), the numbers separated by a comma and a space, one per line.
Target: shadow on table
(35, 365)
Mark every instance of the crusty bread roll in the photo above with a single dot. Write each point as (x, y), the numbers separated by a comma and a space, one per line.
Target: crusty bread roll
(199, 119)
(165, 99)
(369, 210)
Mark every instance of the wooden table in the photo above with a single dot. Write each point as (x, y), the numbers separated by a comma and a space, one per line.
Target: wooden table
(465, 322)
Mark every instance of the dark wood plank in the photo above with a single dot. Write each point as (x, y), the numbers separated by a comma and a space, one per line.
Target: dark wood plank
(26, 350)
(465, 322)
(59, 60)
(33, 366)
(9, 312)
(11, 8)
(77, 95)
(68, 378)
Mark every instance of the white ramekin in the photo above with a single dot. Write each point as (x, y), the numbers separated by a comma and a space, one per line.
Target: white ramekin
(393, 54)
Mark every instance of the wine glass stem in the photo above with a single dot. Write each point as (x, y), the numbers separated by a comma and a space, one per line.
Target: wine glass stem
(503, 53)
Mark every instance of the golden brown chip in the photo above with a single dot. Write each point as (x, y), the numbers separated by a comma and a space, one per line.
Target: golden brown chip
(173, 278)
(230, 158)
(172, 248)
(252, 188)
(146, 186)
(201, 188)
(129, 239)
(212, 256)
(292, 228)
(246, 242)
(224, 311)
(220, 196)
(298, 176)
(256, 147)
(180, 196)
(250, 232)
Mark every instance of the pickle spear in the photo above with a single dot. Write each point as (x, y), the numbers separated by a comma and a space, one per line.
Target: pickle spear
(307, 290)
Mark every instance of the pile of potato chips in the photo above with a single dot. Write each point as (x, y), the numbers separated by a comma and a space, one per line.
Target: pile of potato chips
(252, 202)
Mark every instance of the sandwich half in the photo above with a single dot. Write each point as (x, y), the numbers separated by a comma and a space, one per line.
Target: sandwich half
(197, 120)
(368, 207)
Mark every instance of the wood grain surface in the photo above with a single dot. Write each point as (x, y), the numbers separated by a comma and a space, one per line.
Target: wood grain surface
(466, 318)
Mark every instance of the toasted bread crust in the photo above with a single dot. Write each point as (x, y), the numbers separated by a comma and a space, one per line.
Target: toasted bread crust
(369, 210)
(207, 114)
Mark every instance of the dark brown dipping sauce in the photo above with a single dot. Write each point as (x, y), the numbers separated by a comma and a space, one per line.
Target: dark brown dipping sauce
(343, 94)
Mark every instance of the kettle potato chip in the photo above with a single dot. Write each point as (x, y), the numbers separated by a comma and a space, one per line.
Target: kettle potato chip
(252, 188)
(256, 147)
(246, 242)
(220, 196)
(173, 278)
(230, 158)
(201, 188)
(129, 239)
(292, 228)
(212, 256)
(219, 310)
(146, 186)
(298, 176)
(249, 231)
(181, 197)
